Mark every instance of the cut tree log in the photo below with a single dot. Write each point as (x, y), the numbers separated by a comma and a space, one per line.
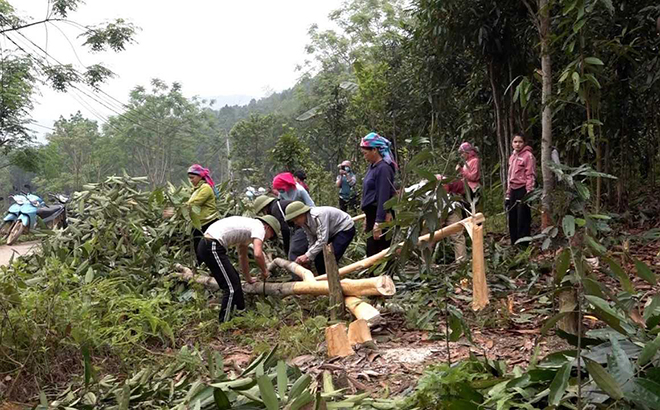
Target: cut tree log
(300, 271)
(437, 235)
(378, 286)
(187, 274)
(479, 285)
(337, 305)
(359, 333)
(359, 217)
(362, 310)
(337, 341)
(359, 308)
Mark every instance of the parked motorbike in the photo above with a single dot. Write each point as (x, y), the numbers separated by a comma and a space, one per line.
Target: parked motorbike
(22, 215)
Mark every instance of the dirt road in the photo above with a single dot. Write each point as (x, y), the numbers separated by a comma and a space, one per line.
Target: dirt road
(6, 251)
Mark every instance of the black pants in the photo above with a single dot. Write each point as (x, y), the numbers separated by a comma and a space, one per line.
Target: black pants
(520, 216)
(215, 257)
(346, 205)
(197, 237)
(339, 243)
(373, 246)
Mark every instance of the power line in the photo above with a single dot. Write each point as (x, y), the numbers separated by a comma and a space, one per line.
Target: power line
(113, 105)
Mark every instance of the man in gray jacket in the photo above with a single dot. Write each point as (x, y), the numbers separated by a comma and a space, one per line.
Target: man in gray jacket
(322, 225)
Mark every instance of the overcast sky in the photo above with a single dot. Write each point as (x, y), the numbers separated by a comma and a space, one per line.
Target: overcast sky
(240, 48)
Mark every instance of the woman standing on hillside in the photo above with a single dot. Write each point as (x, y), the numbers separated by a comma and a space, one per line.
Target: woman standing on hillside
(470, 171)
(520, 182)
(377, 188)
(203, 196)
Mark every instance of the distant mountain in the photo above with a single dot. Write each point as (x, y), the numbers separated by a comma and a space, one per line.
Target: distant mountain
(222, 100)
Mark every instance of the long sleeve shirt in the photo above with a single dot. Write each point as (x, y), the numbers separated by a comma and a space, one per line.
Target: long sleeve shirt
(323, 223)
(378, 187)
(470, 172)
(204, 197)
(298, 194)
(522, 170)
(346, 183)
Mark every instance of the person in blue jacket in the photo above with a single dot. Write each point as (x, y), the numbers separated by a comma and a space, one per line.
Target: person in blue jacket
(377, 188)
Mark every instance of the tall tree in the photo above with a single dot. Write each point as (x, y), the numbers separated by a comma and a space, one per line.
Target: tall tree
(159, 131)
(26, 61)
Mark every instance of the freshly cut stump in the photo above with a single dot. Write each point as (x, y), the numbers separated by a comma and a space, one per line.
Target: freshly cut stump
(337, 340)
(359, 333)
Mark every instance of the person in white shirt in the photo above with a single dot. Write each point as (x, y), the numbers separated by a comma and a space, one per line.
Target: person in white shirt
(235, 231)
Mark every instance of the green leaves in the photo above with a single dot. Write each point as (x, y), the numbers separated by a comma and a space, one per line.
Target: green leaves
(648, 352)
(559, 384)
(221, 400)
(568, 225)
(621, 275)
(268, 392)
(562, 263)
(604, 380)
(593, 61)
(644, 272)
(576, 81)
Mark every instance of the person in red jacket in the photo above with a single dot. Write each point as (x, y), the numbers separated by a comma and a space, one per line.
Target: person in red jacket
(520, 182)
(470, 171)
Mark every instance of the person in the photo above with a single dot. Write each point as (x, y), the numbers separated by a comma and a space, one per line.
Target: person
(300, 176)
(236, 231)
(346, 181)
(204, 197)
(269, 205)
(470, 171)
(521, 180)
(377, 188)
(322, 225)
(290, 190)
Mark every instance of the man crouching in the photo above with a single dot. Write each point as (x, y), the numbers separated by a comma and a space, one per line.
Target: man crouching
(235, 231)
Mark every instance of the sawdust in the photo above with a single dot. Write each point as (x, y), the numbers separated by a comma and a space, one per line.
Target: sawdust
(409, 355)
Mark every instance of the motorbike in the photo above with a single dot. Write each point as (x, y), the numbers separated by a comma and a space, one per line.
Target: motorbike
(22, 215)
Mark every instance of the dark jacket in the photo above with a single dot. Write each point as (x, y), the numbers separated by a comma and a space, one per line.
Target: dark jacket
(378, 187)
(277, 209)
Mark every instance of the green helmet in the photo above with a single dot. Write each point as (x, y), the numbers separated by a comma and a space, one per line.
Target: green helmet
(261, 202)
(272, 222)
(294, 209)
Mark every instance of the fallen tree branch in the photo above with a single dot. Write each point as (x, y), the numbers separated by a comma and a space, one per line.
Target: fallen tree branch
(428, 238)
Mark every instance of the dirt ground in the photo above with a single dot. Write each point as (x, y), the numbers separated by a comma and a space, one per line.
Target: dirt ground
(7, 251)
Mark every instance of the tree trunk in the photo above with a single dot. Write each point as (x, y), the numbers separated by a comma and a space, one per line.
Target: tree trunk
(301, 272)
(479, 285)
(378, 286)
(362, 310)
(437, 235)
(546, 115)
(337, 306)
(501, 138)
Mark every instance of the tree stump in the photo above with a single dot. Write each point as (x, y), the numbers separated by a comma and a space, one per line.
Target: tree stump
(337, 340)
(359, 333)
(337, 305)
